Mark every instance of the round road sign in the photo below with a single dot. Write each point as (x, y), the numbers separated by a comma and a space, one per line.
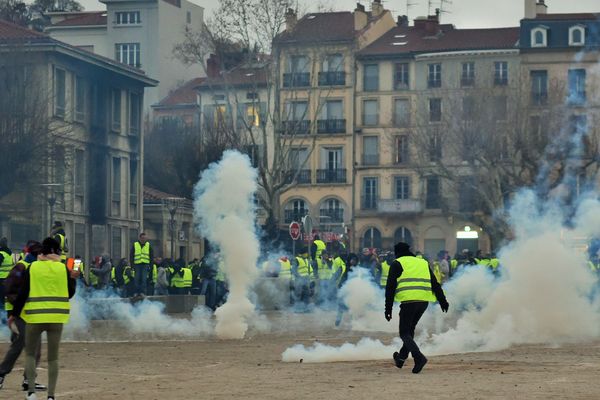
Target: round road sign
(295, 230)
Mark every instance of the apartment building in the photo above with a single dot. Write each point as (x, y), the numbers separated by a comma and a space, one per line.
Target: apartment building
(91, 177)
(412, 83)
(139, 33)
(315, 70)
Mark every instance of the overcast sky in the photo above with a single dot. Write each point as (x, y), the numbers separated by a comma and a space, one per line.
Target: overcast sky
(463, 13)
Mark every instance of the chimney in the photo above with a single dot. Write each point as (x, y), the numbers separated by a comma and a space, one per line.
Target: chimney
(291, 19)
(402, 20)
(376, 8)
(420, 22)
(530, 8)
(212, 66)
(432, 23)
(360, 17)
(541, 7)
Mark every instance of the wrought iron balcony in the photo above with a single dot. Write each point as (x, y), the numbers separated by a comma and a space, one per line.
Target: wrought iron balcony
(332, 78)
(331, 126)
(300, 127)
(304, 176)
(331, 175)
(329, 216)
(296, 79)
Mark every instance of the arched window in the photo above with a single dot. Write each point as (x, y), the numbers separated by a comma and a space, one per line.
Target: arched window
(402, 234)
(372, 238)
(331, 211)
(295, 209)
(576, 36)
(539, 37)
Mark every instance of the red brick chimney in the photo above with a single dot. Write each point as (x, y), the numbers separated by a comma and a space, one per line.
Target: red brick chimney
(212, 66)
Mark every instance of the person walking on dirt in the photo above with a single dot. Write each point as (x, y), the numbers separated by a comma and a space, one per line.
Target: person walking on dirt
(411, 283)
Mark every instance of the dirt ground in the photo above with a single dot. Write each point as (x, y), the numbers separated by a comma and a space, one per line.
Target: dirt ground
(251, 369)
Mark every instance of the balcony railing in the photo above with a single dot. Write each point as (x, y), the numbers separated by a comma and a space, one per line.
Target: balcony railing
(301, 127)
(370, 159)
(400, 206)
(331, 126)
(296, 79)
(331, 175)
(329, 216)
(332, 78)
(294, 215)
(368, 202)
(304, 176)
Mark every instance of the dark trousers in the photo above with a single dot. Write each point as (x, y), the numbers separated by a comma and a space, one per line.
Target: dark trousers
(410, 314)
(17, 344)
(140, 278)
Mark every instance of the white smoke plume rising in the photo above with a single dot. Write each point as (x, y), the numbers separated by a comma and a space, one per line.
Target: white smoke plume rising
(224, 209)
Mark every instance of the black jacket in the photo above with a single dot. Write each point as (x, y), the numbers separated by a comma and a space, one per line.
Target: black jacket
(395, 272)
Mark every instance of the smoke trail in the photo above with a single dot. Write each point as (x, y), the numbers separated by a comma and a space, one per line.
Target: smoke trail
(224, 209)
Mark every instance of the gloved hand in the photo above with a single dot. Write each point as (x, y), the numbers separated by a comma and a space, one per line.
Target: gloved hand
(388, 316)
(444, 305)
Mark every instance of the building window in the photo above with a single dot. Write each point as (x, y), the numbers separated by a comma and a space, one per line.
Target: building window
(297, 74)
(539, 88)
(576, 36)
(332, 71)
(402, 155)
(501, 73)
(401, 76)
(188, 17)
(295, 210)
(372, 238)
(116, 109)
(133, 181)
(331, 211)
(299, 165)
(370, 112)
(332, 117)
(371, 78)
(577, 93)
(401, 113)
(435, 146)
(467, 198)
(79, 245)
(332, 166)
(79, 99)
(402, 187)
(115, 243)
(135, 107)
(79, 172)
(402, 234)
(370, 193)
(128, 53)
(435, 110)
(467, 79)
(333, 63)
(500, 108)
(539, 37)
(434, 78)
(468, 108)
(60, 92)
(432, 199)
(127, 18)
(370, 154)
(116, 179)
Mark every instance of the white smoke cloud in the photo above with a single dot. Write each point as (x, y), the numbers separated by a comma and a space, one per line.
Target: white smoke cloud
(224, 208)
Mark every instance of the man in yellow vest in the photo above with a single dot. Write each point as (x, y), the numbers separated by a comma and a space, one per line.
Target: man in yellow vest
(302, 272)
(43, 303)
(412, 284)
(58, 233)
(6, 264)
(141, 255)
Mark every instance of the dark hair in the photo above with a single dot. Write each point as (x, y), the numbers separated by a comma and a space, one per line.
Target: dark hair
(50, 246)
(34, 248)
(142, 234)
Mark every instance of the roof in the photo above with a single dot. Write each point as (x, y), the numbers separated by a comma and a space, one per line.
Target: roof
(183, 95)
(84, 19)
(253, 75)
(155, 196)
(567, 17)
(413, 40)
(319, 27)
(15, 35)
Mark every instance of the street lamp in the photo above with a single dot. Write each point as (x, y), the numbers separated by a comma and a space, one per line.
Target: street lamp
(51, 199)
(172, 204)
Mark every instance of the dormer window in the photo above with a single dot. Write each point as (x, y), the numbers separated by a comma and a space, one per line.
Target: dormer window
(539, 37)
(576, 35)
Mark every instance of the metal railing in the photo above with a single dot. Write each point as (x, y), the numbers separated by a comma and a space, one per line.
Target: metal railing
(335, 215)
(304, 176)
(300, 127)
(332, 78)
(331, 126)
(331, 175)
(294, 215)
(296, 79)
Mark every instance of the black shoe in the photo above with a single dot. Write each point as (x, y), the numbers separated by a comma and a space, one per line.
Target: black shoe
(38, 386)
(420, 362)
(399, 362)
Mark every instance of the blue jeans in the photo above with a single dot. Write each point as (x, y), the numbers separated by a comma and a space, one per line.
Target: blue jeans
(209, 291)
(141, 278)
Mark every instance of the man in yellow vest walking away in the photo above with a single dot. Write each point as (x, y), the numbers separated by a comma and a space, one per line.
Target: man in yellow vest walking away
(141, 255)
(412, 284)
(43, 302)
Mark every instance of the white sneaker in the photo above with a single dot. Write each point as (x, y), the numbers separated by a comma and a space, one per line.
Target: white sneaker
(31, 396)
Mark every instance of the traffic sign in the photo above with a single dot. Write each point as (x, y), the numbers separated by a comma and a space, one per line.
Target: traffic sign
(295, 230)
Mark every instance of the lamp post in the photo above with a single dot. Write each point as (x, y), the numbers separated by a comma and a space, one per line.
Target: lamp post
(51, 199)
(172, 204)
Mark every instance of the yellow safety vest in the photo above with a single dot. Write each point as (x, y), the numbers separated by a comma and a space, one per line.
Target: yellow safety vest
(286, 269)
(320, 247)
(453, 264)
(385, 271)
(154, 273)
(48, 300)
(494, 263)
(7, 264)
(7, 304)
(141, 255)
(63, 253)
(177, 281)
(325, 271)
(187, 278)
(415, 282)
(437, 271)
(304, 267)
(338, 263)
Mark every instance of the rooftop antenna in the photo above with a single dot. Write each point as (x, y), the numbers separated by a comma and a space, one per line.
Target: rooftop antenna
(445, 6)
(410, 4)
